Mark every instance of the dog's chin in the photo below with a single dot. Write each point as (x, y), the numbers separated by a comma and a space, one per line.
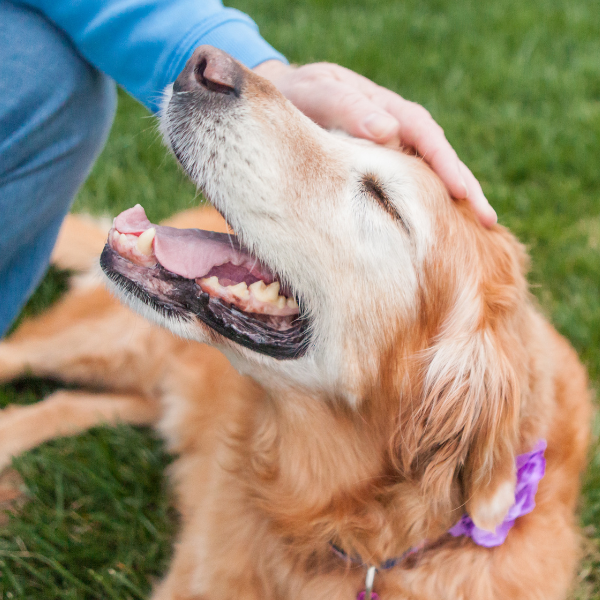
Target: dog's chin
(188, 304)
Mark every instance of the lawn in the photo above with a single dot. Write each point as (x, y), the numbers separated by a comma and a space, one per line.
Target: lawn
(516, 86)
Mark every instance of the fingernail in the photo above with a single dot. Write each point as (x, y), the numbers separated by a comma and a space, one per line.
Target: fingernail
(380, 125)
(487, 215)
(463, 183)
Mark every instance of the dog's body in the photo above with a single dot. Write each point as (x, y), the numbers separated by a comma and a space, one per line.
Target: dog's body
(425, 370)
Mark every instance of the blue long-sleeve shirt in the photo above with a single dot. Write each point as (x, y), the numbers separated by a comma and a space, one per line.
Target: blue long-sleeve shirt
(144, 44)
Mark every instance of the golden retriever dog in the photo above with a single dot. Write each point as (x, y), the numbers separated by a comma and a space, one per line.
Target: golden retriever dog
(371, 405)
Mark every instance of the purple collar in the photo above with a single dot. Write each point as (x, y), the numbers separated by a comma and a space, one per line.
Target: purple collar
(531, 467)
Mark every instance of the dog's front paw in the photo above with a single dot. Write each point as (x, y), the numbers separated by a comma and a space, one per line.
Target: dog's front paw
(488, 509)
(11, 364)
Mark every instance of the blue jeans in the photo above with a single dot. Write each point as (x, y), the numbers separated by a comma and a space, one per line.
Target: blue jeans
(55, 114)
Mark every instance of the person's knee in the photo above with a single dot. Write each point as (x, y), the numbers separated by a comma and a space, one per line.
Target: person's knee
(55, 114)
(57, 104)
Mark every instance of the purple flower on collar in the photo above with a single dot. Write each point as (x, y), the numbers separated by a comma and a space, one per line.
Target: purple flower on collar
(531, 467)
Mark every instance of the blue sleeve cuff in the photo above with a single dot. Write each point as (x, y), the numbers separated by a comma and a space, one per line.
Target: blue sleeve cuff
(229, 30)
(144, 44)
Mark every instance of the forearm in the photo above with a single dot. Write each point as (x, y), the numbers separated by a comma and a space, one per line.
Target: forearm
(143, 45)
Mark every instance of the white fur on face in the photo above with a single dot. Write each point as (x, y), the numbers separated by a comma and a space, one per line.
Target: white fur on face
(294, 194)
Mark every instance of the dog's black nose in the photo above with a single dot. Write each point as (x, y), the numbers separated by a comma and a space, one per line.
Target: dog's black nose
(210, 69)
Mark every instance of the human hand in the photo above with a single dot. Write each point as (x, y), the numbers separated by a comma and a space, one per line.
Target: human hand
(337, 98)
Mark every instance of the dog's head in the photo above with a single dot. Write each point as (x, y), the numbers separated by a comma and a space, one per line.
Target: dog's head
(384, 289)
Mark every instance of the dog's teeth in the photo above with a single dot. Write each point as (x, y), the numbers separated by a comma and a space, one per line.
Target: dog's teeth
(258, 290)
(268, 293)
(115, 236)
(240, 290)
(291, 302)
(211, 281)
(265, 293)
(272, 291)
(123, 239)
(144, 241)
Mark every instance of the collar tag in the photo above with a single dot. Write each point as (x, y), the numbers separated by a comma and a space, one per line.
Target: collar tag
(369, 594)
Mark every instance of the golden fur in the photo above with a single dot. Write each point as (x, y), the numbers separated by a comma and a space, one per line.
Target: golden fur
(430, 369)
(263, 485)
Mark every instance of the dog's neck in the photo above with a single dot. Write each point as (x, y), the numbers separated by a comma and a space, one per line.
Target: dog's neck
(321, 472)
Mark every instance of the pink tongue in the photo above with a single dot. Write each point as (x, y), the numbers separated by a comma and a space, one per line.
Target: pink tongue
(133, 220)
(191, 253)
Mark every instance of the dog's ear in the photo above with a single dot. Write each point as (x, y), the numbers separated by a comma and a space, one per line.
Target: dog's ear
(464, 423)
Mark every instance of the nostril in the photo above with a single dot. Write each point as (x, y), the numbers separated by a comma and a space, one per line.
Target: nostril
(199, 72)
(215, 86)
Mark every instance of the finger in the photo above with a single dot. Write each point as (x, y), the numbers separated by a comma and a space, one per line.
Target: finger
(486, 214)
(345, 100)
(419, 131)
(335, 104)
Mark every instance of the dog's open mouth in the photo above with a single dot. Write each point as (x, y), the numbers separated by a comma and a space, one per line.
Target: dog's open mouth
(186, 273)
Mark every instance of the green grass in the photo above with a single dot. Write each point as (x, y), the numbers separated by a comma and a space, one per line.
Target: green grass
(516, 86)
(97, 521)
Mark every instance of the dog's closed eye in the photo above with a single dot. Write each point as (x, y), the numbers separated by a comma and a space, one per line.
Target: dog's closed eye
(373, 187)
